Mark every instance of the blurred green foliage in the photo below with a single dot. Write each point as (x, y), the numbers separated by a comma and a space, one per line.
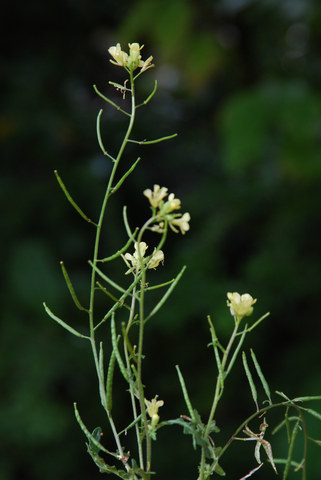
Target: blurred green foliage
(239, 81)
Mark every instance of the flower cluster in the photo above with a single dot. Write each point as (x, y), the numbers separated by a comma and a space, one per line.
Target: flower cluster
(138, 261)
(132, 60)
(240, 305)
(165, 210)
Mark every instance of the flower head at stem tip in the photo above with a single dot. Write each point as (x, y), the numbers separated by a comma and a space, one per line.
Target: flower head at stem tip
(132, 60)
(240, 305)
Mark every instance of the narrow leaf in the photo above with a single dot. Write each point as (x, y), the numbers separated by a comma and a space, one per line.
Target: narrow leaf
(71, 200)
(71, 288)
(261, 376)
(64, 324)
(250, 379)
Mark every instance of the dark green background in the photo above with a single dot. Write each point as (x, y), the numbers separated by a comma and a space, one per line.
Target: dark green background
(239, 81)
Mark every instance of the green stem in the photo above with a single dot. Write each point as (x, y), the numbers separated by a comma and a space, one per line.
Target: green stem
(217, 395)
(96, 250)
(139, 372)
(131, 389)
(140, 386)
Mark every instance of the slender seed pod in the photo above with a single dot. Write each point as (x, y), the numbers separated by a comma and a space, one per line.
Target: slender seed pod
(109, 383)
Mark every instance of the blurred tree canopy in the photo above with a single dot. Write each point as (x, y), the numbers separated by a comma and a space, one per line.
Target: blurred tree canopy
(239, 81)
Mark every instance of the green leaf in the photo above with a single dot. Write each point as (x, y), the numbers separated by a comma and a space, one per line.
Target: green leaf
(219, 470)
(213, 427)
(96, 434)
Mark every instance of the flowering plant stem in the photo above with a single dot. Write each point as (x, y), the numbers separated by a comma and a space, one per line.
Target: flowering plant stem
(129, 360)
(95, 258)
(218, 390)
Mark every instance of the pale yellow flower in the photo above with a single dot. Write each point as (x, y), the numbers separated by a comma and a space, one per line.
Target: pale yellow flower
(118, 55)
(171, 204)
(157, 258)
(137, 258)
(181, 223)
(240, 305)
(131, 61)
(138, 261)
(134, 59)
(156, 196)
(146, 64)
(152, 409)
(166, 210)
